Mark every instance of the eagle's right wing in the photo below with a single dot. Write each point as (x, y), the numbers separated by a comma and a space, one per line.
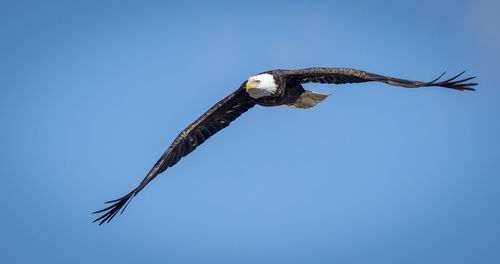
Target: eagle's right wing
(216, 118)
(346, 75)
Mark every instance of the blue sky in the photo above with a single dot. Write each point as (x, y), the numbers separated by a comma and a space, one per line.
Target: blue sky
(93, 92)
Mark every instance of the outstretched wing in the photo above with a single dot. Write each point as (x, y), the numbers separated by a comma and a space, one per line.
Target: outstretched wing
(215, 119)
(346, 75)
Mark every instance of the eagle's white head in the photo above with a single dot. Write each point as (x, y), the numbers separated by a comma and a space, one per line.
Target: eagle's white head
(261, 85)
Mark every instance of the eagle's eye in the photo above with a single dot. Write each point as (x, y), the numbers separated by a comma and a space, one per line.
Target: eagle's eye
(257, 81)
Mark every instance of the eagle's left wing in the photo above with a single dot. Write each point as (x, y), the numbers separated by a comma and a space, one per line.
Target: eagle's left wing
(346, 75)
(216, 118)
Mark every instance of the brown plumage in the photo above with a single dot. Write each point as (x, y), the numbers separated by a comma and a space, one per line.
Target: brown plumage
(286, 87)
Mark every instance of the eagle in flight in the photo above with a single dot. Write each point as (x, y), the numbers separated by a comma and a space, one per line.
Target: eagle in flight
(271, 88)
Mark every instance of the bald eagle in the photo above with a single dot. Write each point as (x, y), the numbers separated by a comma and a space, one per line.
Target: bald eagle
(271, 88)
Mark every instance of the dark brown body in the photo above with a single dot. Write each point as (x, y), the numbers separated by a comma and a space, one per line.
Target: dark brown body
(288, 90)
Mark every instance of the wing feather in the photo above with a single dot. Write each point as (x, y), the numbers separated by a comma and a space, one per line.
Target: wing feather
(347, 75)
(216, 118)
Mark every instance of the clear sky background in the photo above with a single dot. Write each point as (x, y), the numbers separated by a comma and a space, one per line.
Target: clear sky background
(93, 92)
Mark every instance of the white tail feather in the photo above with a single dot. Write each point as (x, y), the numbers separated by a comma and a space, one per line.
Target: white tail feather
(308, 99)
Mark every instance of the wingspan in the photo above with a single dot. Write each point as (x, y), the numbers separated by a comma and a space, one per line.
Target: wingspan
(216, 118)
(346, 75)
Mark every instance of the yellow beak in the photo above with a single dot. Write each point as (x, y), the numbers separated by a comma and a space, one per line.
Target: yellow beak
(250, 85)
